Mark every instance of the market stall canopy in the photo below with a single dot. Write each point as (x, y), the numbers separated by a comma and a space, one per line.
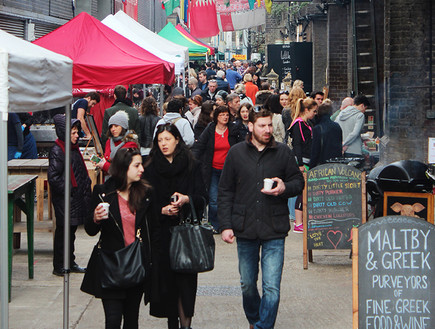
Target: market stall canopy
(183, 31)
(155, 44)
(104, 58)
(170, 33)
(32, 78)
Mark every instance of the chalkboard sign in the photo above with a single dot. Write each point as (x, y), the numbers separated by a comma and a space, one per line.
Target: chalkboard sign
(296, 58)
(334, 204)
(393, 266)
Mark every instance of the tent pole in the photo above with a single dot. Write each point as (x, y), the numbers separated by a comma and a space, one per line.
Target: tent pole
(162, 99)
(66, 248)
(4, 264)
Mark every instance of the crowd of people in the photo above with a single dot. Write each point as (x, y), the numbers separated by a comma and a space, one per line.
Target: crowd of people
(217, 141)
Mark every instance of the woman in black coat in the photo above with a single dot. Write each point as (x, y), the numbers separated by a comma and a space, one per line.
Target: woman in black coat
(211, 149)
(172, 171)
(80, 192)
(131, 208)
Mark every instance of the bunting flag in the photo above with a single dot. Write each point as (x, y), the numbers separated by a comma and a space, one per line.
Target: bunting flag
(170, 6)
(240, 20)
(203, 18)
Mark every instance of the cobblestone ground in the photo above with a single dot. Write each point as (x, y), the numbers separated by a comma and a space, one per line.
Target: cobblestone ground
(320, 297)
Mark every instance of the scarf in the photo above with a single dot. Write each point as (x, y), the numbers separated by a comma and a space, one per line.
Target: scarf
(61, 144)
(114, 148)
(168, 169)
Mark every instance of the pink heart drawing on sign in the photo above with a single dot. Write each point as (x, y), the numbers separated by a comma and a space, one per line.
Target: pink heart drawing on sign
(334, 237)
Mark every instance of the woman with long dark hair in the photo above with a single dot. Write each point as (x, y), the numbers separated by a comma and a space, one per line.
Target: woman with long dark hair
(131, 209)
(273, 104)
(242, 121)
(211, 149)
(176, 178)
(148, 117)
(205, 117)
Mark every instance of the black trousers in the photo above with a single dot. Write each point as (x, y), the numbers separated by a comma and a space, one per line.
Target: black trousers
(58, 246)
(115, 309)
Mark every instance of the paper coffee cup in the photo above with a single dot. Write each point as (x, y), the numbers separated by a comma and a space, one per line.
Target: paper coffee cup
(105, 206)
(268, 183)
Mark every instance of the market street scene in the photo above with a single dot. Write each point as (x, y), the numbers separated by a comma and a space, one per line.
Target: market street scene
(208, 164)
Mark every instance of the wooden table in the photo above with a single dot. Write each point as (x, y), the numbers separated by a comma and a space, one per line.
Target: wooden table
(33, 167)
(19, 185)
(39, 167)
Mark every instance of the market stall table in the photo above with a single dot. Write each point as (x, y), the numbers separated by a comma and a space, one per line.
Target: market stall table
(19, 185)
(39, 167)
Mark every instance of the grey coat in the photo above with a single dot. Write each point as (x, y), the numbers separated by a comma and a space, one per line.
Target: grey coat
(351, 122)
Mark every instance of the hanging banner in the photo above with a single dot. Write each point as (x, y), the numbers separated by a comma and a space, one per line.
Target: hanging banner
(130, 8)
(203, 18)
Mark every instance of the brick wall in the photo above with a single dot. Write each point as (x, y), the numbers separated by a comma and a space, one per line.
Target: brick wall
(338, 54)
(320, 45)
(407, 66)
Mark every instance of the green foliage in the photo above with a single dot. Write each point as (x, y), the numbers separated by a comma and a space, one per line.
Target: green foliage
(278, 9)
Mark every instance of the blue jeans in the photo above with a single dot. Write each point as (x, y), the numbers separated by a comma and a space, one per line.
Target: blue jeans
(213, 194)
(261, 311)
(291, 206)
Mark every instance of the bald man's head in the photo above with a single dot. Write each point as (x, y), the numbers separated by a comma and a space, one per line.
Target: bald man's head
(348, 101)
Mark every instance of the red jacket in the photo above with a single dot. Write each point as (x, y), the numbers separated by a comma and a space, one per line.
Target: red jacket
(251, 90)
(107, 152)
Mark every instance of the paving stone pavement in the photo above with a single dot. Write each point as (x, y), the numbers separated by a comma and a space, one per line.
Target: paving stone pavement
(320, 297)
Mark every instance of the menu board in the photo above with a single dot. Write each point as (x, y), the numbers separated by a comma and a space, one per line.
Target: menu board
(396, 285)
(334, 205)
(296, 58)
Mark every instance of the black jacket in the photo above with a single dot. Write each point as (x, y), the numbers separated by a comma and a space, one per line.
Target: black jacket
(203, 149)
(301, 140)
(81, 194)
(112, 238)
(241, 130)
(241, 206)
(327, 141)
(147, 125)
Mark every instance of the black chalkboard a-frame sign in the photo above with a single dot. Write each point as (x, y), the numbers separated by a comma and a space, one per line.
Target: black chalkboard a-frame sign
(393, 281)
(334, 203)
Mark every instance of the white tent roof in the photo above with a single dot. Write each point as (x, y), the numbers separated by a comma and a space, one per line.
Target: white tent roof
(32, 78)
(155, 44)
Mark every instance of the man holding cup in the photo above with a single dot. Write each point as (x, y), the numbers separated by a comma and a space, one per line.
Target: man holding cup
(255, 213)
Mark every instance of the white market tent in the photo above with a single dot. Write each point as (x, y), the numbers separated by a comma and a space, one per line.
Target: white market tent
(31, 79)
(155, 44)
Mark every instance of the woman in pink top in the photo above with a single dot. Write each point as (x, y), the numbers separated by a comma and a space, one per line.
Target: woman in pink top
(131, 208)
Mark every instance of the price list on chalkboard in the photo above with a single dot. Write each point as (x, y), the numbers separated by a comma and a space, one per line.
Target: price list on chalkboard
(334, 205)
(396, 283)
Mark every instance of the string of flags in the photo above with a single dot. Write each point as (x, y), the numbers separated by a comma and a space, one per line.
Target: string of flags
(206, 18)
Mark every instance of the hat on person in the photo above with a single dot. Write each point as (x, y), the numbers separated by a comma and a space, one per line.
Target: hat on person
(222, 94)
(120, 118)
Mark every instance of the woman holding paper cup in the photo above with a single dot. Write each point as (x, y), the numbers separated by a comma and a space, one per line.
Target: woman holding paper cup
(176, 177)
(301, 133)
(131, 207)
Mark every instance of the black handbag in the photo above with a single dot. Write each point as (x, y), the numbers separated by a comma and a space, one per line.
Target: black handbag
(192, 245)
(123, 268)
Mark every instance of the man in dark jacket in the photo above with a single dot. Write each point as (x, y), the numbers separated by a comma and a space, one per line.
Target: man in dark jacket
(221, 83)
(80, 192)
(327, 137)
(258, 217)
(124, 104)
